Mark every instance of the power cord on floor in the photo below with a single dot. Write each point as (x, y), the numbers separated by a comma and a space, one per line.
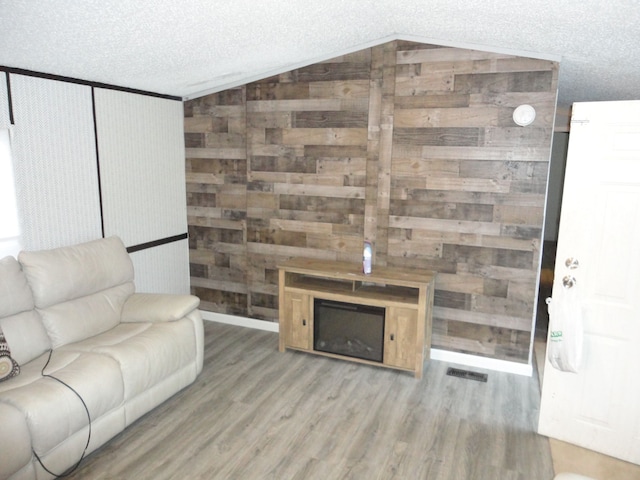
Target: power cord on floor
(73, 468)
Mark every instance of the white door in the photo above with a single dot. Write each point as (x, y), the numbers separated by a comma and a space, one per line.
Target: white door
(599, 407)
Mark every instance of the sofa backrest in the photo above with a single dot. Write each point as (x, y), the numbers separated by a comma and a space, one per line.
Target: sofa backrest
(79, 290)
(21, 324)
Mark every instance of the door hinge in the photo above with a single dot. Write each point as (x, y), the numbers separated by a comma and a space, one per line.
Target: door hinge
(579, 121)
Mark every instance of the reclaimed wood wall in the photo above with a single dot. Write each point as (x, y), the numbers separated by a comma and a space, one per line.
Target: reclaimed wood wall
(409, 146)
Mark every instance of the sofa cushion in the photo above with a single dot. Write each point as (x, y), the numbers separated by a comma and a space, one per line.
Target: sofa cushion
(26, 336)
(15, 294)
(23, 329)
(158, 307)
(52, 411)
(79, 290)
(66, 273)
(15, 441)
(85, 317)
(146, 352)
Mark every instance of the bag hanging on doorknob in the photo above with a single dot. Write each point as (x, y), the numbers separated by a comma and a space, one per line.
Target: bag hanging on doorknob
(564, 348)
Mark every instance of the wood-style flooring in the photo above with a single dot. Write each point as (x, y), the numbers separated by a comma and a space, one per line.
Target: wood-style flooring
(255, 413)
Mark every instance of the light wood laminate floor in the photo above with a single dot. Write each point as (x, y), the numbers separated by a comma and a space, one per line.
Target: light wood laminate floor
(255, 413)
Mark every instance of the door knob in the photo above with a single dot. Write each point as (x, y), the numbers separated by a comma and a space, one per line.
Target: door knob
(572, 263)
(568, 281)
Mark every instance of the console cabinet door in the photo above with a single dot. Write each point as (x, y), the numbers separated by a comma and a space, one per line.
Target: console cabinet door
(298, 320)
(401, 329)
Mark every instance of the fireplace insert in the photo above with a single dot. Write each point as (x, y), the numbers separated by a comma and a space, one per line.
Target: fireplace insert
(348, 329)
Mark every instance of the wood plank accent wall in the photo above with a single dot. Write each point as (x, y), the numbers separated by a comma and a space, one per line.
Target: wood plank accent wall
(216, 175)
(410, 146)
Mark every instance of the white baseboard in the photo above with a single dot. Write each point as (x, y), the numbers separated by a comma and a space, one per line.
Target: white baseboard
(240, 321)
(481, 362)
(436, 354)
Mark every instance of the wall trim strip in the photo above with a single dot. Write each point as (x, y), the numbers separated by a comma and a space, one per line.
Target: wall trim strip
(95, 135)
(61, 78)
(157, 243)
(9, 99)
(240, 321)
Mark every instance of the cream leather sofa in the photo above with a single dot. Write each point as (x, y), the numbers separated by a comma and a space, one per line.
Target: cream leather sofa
(123, 352)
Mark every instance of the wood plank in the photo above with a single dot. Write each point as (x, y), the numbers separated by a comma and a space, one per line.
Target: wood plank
(320, 191)
(323, 119)
(373, 146)
(445, 54)
(479, 117)
(516, 153)
(199, 124)
(385, 155)
(486, 228)
(427, 85)
(538, 81)
(298, 226)
(324, 136)
(231, 153)
(469, 184)
(441, 136)
(432, 101)
(448, 211)
(328, 71)
(266, 90)
(275, 119)
(322, 104)
(339, 89)
(419, 167)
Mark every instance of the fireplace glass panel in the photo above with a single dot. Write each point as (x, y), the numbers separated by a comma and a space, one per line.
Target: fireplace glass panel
(349, 329)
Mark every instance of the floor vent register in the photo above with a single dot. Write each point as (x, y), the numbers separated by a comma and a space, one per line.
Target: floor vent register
(466, 374)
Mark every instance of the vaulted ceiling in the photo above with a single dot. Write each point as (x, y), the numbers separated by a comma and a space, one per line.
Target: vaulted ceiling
(189, 48)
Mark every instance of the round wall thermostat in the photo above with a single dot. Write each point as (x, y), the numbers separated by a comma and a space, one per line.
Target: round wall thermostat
(524, 115)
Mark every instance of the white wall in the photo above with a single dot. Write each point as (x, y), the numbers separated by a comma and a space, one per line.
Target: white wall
(142, 169)
(80, 177)
(163, 269)
(9, 242)
(54, 162)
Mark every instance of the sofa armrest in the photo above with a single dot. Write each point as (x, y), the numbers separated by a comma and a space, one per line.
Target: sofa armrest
(158, 307)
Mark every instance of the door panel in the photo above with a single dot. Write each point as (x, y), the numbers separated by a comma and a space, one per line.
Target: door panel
(401, 330)
(599, 407)
(298, 315)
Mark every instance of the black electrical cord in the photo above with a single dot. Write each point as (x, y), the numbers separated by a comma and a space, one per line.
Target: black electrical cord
(73, 468)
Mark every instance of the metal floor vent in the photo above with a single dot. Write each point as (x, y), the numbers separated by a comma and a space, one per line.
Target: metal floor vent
(456, 372)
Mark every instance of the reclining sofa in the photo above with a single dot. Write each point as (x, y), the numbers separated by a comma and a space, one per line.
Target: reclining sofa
(83, 355)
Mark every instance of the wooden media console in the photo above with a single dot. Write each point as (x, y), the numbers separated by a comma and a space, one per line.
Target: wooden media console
(404, 295)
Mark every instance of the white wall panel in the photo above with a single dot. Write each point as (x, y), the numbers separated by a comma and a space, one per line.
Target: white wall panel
(163, 269)
(141, 152)
(142, 172)
(4, 102)
(55, 162)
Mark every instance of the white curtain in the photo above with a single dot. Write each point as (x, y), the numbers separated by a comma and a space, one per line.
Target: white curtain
(9, 225)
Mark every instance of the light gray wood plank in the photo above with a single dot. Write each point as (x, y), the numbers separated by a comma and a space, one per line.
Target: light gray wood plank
(255, 413)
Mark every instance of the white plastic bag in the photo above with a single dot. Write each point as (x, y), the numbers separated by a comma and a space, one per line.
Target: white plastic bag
(564, 348)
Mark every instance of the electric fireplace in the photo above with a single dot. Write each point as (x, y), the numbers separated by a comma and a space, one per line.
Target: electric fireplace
(348, 329)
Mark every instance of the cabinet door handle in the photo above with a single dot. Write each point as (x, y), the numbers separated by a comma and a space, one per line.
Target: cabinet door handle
(304, 322)
(393, 337)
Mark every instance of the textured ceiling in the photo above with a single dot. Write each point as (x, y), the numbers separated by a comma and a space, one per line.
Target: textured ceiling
(191, 47)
